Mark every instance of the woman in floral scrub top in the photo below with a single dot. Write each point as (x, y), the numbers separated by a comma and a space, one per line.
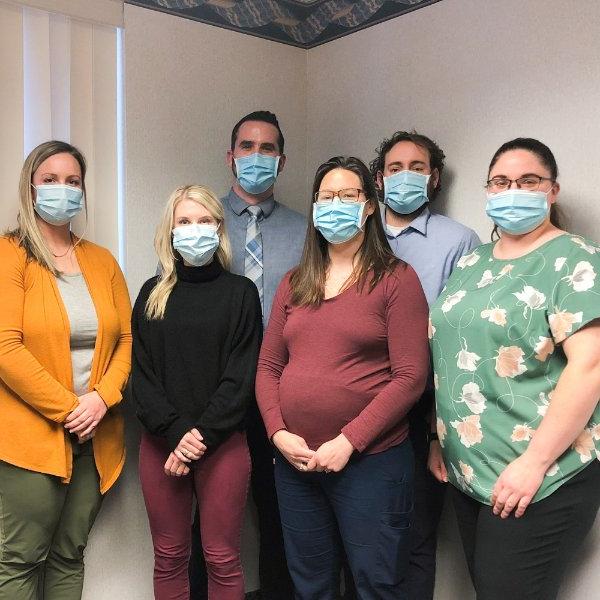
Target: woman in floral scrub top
(515, 339)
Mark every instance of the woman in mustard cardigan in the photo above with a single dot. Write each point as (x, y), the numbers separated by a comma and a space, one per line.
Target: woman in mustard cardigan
(65, 345)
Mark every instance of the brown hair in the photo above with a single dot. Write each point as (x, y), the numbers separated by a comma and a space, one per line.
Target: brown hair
(308, 278)
(545, 156)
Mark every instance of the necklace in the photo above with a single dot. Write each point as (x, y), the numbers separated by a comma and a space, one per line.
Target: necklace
(68, 249)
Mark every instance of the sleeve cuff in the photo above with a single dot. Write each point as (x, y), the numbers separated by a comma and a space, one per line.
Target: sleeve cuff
(176, 431)
(274, 425)
(109, 395)
(358, 443)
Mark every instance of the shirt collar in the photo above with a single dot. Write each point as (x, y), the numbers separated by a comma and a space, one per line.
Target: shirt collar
(239, 205)
(419, 223)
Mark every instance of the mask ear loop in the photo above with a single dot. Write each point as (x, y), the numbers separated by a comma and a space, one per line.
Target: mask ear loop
(82, 236)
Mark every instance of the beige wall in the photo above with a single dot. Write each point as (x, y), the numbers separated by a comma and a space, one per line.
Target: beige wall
(186, 85)
(472, 74)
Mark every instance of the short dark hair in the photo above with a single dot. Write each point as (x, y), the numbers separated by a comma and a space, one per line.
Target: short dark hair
(436, 155)
(259, 115)
(545, 156)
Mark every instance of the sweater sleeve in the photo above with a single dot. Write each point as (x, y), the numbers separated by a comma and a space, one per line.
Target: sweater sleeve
(406, 321)
(273, 359)
(113, 381)
(226, 408)
(153, 409)
(19, 369)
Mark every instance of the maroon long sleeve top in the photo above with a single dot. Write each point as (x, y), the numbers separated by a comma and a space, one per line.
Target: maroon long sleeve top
(355, 364)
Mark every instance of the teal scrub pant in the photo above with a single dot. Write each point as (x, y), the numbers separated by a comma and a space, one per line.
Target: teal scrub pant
(44, 528)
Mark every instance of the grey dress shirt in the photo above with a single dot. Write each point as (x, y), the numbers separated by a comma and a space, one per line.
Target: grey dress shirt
(283, 231)
(432, 245)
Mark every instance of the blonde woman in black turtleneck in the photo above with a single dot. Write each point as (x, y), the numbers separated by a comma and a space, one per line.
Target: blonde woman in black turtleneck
(196, 336)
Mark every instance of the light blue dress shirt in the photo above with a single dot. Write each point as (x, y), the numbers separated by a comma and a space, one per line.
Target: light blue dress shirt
(432, 245)
(283, 231)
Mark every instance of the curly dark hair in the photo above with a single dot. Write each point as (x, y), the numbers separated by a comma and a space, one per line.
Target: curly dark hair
(436, 155)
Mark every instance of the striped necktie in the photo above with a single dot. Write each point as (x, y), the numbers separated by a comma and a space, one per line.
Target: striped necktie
(253, 258)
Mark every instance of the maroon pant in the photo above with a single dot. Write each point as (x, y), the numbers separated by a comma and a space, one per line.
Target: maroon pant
(220, 483)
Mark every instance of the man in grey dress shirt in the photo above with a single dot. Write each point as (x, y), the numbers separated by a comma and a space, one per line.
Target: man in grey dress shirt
(408, 171)
(275, 233)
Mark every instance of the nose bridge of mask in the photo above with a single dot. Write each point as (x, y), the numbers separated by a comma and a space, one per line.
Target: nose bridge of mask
(258, 160)
(525, 197)
(58, 191)
(193, 230)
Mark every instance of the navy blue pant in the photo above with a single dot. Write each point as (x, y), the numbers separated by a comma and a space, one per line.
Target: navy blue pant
(366, 507)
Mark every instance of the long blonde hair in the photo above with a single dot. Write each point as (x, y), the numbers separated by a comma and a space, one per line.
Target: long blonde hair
(163, 244)
(28, 233)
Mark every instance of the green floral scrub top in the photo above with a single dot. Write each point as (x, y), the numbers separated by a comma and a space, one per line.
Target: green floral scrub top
(496, 333)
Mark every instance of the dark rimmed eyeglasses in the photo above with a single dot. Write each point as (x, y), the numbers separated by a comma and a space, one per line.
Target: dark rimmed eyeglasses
(347, 195)
(530, 183)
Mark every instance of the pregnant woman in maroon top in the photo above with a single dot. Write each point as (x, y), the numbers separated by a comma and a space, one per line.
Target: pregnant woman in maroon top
(344, 358)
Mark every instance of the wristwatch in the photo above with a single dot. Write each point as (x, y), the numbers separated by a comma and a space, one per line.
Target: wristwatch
(431, 436)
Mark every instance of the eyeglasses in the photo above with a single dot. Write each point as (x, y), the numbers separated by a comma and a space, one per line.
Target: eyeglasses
(530, 183)
(347, 195)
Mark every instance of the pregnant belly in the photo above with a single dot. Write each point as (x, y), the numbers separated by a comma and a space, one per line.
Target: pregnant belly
(316, 408)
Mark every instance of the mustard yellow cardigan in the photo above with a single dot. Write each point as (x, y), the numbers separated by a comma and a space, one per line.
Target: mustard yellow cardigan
(36, 382)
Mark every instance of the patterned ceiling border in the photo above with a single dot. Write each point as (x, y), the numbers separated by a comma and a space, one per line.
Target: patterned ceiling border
(302, 23)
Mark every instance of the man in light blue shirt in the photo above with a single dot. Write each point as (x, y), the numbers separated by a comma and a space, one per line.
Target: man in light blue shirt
(266, 241)
(408, 171)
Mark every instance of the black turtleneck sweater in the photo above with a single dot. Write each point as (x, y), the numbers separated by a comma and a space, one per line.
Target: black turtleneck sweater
(196, 367)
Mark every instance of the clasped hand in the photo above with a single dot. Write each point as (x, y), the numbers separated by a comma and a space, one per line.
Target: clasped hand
(330, 456)
(86, 416)
(190, 447)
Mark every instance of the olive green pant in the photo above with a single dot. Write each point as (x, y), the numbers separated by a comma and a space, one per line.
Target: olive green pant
(44, 528)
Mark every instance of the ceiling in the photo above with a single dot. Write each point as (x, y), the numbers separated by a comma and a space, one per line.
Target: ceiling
(302, 23)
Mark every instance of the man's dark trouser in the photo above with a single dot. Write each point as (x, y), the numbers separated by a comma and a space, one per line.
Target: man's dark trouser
(429, 502)
(275, 582)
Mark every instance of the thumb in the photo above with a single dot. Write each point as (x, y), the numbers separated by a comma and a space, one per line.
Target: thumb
(196, 434)
(444, 472)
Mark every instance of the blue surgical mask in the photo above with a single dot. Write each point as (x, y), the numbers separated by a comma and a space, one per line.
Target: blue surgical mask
(256, 172)
(517, 211)
(196, 243)
(406, 191)
(338, 221)
(56, 203)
